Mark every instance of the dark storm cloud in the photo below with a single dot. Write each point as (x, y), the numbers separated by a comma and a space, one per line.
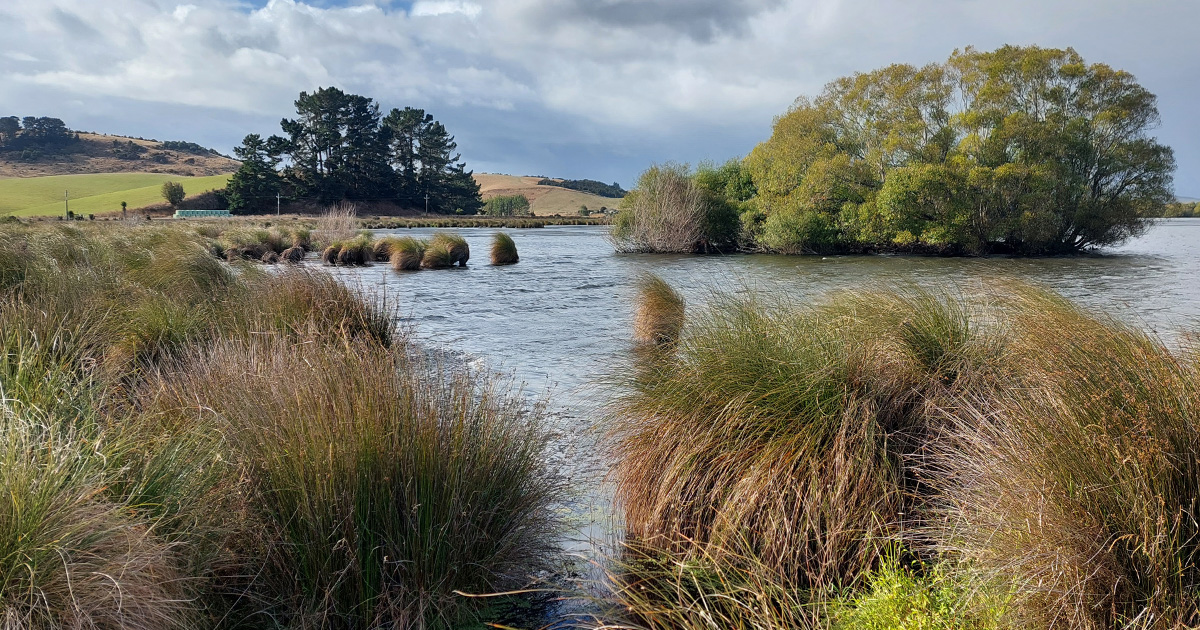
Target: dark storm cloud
(700, 20)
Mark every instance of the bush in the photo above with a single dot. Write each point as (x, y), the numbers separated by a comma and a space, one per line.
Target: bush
(173, 193)
(669, 213)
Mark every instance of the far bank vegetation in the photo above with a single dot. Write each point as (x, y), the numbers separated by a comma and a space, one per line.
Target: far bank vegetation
(1021, 150)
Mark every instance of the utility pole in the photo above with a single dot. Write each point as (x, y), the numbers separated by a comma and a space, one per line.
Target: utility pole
(277, 197)
(426, 203)
(66, 204)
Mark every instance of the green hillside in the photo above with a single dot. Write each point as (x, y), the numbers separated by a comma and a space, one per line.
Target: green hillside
(93, 193)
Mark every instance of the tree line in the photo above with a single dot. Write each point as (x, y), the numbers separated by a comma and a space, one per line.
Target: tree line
(340, 147)
(592, 186)
(1022, 150)
(35, 135)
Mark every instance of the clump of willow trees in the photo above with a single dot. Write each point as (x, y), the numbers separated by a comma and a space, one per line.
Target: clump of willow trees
(1022, 150)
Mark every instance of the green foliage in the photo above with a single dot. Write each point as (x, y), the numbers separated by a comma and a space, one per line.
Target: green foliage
(173, 193)
(256, 182)
(670, 211)
(592, 186)
(506, 206)
(897, 598)
(1025, 150)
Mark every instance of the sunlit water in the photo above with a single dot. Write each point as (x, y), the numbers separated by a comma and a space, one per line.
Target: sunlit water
(560, 319)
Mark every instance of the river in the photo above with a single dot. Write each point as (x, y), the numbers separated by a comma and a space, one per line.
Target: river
(560, 318)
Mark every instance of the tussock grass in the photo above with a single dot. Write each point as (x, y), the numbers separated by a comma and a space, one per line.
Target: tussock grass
(381, 250)
(504, 250)
(407, 253)
(430, 478)
(168, 428)
(456, 245)
(796, 422)
(437, 256)
(338, 223)
(659, 315)
(1080, 491)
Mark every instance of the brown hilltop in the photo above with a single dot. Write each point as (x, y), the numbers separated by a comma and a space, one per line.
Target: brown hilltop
(96, 153)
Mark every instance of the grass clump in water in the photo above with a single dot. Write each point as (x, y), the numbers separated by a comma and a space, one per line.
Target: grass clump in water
(659, 314)
(455, 245)
(407, 253)
(504, 250)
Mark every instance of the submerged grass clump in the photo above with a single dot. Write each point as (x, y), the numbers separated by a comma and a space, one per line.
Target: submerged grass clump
(407, 253)
(504, 250)
(190, 444)
(455, 245)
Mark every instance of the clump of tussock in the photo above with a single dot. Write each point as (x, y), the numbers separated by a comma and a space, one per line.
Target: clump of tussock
(648, 589)
(660, 312)
(354, 252)
(504, 250)
(330, 254)
(1076, 489)
(293, 255)
(454, 244)
(381, 249)
(407, 253)
(437, 256)
(431, 477)
(798, 422)
(270, 258)
(72, 556)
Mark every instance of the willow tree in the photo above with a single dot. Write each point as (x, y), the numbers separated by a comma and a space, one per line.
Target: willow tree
(1021, 149)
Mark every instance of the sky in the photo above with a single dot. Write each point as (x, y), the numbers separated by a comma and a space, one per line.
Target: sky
(595, 89)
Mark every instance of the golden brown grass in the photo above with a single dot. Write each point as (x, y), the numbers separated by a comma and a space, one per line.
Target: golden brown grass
(659, 315)
(504, 250)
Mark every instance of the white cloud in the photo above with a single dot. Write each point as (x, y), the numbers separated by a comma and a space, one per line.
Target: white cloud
(426, 8)
(640, 79)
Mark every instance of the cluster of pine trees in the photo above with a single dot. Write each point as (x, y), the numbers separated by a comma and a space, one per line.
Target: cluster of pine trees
(340, 147)
(34, 135)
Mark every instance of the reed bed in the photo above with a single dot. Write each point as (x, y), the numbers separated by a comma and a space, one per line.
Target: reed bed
(395, 223)
(504, 250)
(184, 442)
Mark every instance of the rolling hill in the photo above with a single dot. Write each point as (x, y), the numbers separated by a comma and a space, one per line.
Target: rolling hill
(97, 153)
(543, 200)
(93, 192)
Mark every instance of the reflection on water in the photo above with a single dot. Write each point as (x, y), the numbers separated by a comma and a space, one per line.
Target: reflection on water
(561, 317)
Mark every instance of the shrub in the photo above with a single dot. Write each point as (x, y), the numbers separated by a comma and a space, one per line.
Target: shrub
(506, 206)
(504, 250)
(668, 212)
(173, 193)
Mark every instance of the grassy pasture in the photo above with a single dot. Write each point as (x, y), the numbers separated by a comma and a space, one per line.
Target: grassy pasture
(92, 193)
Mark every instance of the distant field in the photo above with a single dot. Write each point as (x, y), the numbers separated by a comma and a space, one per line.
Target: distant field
(93, 193)
(543, 200)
